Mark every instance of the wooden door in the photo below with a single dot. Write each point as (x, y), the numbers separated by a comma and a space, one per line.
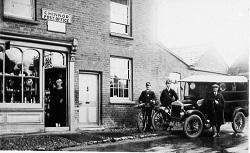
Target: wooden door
(89, 100)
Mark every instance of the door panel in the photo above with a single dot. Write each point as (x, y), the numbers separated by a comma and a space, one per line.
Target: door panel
(89, 100)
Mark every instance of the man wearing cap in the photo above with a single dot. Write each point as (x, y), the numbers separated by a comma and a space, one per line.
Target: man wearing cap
(148, 97)
(216, 105)
(168, 95)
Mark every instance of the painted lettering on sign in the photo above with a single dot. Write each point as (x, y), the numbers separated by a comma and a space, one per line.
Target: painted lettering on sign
(56, 16)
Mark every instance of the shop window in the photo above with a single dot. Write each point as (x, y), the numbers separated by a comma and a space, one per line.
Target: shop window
(20, 77)
(120, 17)
(20, 9)
(120, 80)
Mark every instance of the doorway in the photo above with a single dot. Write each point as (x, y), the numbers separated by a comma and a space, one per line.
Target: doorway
(89, 90)
(55, 95)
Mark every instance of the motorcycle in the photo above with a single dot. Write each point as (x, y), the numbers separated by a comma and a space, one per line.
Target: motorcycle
(161, 119)
(142, 119)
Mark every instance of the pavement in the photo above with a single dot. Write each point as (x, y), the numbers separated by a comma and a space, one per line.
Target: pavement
(56, 141)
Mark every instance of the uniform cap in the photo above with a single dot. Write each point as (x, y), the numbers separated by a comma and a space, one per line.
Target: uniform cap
(168, 81)
(215, 86)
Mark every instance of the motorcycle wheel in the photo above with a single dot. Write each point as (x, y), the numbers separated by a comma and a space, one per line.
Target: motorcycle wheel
(158, 122)
(141, 123)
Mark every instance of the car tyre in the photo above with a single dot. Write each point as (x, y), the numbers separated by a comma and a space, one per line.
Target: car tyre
(239, 122)
(193, 126)
(158, 122)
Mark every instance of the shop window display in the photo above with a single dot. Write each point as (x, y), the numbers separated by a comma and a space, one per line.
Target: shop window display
(20, 76)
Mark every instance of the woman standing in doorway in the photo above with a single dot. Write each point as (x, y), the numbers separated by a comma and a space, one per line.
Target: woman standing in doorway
(58, 104)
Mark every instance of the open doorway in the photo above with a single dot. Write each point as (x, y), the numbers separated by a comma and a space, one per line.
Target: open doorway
(56, 104)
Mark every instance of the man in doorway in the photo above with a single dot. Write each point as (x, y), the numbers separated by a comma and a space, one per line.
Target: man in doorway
(148, 97)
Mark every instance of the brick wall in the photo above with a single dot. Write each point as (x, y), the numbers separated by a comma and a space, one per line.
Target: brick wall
(90, 25)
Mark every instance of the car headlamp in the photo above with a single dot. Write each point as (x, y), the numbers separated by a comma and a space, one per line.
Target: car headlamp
(182, 113)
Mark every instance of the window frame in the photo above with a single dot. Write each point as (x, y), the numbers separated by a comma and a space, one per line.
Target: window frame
(128, 28)
(9, 15)
(5, 104)
(129, 99)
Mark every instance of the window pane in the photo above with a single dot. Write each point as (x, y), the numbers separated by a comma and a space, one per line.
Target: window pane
(118, 13)
(111, 92)
(13, 62)
(115, 92)
(31, 90)
(13, 89)
(31, 63)
(125, 2)
(1, 77)
(125, 92)
(1, 63)
(31, 60)
(54, 59)
(1, 89)
(118, 28)
(19, 8)
(120, 92)
(126, 84)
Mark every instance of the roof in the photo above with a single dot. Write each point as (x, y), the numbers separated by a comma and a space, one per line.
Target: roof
(189, 55)
(214, 78)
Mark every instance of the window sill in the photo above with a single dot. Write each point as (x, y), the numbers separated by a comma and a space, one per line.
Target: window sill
(121, 35)
(20, 105)
(11, 17)
(121, 101)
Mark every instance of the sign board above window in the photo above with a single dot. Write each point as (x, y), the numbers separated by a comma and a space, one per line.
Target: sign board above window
(56, 16)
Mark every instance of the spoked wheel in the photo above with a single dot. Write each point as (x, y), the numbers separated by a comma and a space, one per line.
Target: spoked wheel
(141, 123)
(238, 122)
(158, 122)
(193, 126)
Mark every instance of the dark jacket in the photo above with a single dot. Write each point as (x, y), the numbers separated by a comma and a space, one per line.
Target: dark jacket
(146, 96)
(166, 97)
(216, 111)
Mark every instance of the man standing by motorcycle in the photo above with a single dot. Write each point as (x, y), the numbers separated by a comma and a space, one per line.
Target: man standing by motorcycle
(168, 96)
(148, 97)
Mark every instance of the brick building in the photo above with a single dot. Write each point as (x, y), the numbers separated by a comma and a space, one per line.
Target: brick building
(102, 52)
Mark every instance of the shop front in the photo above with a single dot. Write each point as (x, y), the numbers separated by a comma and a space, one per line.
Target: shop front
(36, 94)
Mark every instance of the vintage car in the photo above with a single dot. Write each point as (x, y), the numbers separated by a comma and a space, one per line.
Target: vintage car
(191, 110)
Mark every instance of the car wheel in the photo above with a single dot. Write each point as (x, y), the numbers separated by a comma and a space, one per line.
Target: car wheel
(238, 122)
(193, 126)
(158, 122)
(141, 124)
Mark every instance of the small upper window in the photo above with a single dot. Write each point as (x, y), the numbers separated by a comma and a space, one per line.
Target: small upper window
(120, 16)
(23, 9)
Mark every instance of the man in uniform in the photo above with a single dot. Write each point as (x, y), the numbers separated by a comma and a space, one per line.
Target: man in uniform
(148, 97)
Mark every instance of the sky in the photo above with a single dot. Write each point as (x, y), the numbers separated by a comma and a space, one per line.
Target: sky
(223, 24)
